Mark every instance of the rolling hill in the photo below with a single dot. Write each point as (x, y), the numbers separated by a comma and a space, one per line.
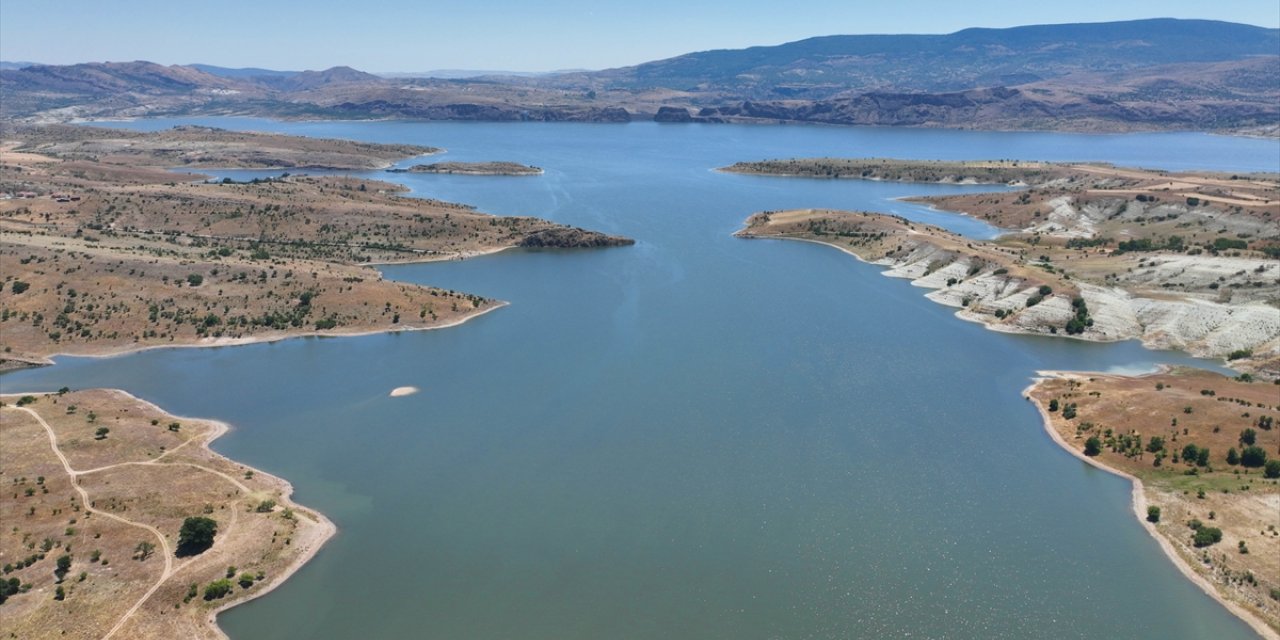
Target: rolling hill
(1144, 74)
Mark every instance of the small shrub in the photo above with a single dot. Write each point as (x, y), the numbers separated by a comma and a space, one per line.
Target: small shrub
(1206, 536)
(217, 589)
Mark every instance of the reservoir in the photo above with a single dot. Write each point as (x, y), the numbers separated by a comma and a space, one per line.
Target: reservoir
(694, 437)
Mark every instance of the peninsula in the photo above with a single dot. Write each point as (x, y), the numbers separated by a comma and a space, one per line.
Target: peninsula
(473, 169)
(1095, 252)
(121, 523)
(119, 253)
(1203, 452)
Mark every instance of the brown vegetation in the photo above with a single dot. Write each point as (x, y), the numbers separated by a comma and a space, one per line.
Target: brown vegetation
(111, 253)
(107, 480)
(1146, 426)
(205, 147)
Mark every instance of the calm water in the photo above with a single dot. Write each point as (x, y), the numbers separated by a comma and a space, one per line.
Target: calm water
(694, 437)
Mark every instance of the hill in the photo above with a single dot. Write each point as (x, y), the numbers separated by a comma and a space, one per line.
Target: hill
(1117, 76)
(827, 66)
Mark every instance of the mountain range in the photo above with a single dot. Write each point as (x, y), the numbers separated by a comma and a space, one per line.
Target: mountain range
(1144, 74)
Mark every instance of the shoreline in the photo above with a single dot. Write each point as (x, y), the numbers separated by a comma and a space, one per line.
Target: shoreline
(48, 360)
(999, 328)
(1139, 503)
(459, 255)
(324, 530)
(1138, 495)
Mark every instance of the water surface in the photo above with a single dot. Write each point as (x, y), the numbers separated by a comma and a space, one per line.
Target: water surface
(694, 437)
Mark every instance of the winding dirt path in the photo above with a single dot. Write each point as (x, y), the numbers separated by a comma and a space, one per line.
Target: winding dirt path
(167, 551)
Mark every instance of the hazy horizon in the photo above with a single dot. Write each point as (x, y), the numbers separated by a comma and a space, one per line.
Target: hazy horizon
(403, 37)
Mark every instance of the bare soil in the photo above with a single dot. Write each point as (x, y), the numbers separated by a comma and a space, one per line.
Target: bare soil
(1188, 407)
(114, 501)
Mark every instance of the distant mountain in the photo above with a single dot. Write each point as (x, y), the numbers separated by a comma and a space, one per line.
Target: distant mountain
(244, 72)
(972, 58)
(114, 88)
(464, 74)
(1143, 74)
(309, 80)
(16, 64)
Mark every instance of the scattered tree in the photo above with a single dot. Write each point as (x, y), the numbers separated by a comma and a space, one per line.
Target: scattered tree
(196, 535)
(143, 550)
(1271, 469)
(1206, 536)
(217, 589)
(64, 565)
(1253, 457)
(1092, 446)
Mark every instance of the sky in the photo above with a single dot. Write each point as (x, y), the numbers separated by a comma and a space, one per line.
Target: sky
(511, 35)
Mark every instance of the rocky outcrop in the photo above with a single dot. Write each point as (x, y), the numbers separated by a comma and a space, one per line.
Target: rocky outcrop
(572, 238)
(1200, 327)
(673, 114)
(478, 112)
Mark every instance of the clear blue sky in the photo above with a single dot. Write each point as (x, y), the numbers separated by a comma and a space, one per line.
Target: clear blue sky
(525, 35)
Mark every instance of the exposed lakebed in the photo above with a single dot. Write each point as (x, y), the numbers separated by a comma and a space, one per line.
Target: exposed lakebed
(694, 437)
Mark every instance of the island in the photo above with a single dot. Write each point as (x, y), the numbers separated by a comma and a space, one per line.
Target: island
(121, 523)
(119, 253)
(473, 169)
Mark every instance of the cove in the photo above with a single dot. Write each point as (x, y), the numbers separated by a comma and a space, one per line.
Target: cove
(694, 437)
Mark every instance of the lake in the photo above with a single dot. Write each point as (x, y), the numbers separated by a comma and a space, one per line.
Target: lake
(694, 437)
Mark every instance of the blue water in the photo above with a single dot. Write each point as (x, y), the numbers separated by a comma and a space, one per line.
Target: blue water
(694, 437)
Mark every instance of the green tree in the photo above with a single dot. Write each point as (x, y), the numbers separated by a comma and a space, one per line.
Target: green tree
(217, 589)
(1202, 457)
(1155, 444)
(1092, 446)
(143, 550)
(1206, 536)
(195, 279)
(1253, 457)
(1153, 514)
(63, 566)
(1248, 437)
(196, 535)
(101, 433)
(1190, 453)
(1232, 456)
(1271, 469)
